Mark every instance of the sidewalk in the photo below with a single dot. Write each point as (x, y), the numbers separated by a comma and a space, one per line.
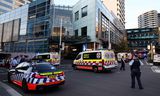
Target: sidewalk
(3, 92)
(6, 90)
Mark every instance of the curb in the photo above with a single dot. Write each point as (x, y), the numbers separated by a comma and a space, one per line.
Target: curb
(10, 90)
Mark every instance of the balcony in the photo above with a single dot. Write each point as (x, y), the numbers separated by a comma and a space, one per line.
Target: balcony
(144, 37)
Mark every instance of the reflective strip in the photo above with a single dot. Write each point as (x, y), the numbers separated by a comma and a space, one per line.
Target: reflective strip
(85, 67)
(17, 82)
(48, 73)
(58, 72)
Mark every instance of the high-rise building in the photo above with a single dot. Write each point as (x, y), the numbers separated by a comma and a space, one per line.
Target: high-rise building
(118, 8)
(148, 19)
(159, 19)
(8, 5)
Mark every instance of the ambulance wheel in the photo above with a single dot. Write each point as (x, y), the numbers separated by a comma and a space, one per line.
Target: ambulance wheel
(24, 86)
(95, 69)
(9, 78)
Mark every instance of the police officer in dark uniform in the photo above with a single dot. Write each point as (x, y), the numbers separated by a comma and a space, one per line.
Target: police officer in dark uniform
(122, 63)
(135, 72)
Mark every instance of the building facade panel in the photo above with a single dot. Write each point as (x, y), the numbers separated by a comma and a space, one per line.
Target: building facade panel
(99, 23)
(87, 24)
(140, 38)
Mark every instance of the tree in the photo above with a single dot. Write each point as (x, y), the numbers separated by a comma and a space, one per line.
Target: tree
(122, 46)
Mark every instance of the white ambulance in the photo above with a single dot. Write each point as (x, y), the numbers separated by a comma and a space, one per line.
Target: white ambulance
(52, 57)
(127, 56)
(95, 60)
(156, 59)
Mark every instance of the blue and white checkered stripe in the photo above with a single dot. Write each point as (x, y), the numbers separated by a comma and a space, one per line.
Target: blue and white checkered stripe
(18, 77)
(33, 80)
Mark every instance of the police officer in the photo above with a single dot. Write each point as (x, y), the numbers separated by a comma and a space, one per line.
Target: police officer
(135, 64)
(122, 63)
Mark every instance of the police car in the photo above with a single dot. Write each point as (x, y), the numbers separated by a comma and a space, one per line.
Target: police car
(35, 77)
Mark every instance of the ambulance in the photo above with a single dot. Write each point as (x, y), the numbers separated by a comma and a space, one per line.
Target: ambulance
(156, 59)
(52, 57)
(127, 56)
(98, 60)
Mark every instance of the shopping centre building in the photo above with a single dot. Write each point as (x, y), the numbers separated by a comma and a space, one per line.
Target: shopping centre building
(38, 26)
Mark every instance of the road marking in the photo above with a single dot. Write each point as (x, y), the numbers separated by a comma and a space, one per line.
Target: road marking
(5, 80)
(10, 90)
(155, 69)
(148, 63)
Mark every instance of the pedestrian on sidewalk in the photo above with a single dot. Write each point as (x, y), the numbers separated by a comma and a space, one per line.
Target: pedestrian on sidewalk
(135, 64)
(122, 63)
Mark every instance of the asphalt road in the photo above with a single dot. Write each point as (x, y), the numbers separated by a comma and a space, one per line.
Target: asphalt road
(88, 83)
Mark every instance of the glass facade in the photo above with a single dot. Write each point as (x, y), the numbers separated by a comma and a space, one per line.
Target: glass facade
(14, 26)
(38, 28)
(106, 22)
(140, 38)
(62, 21)
(30, 27)
(44, 25)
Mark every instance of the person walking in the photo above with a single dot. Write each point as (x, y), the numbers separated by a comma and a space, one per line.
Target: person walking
(14, 62)
(135, 64)
(122, 63)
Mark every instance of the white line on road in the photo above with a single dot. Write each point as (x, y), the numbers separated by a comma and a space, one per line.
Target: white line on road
(5, 80)
(148, 63)
(10, 90)
(155, 69)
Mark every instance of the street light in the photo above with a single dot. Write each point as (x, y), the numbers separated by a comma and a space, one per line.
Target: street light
(60, 41)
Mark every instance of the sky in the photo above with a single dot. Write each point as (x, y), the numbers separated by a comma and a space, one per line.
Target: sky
(133, 8)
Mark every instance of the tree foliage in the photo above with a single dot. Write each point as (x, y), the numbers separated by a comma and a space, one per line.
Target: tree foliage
(122, 46)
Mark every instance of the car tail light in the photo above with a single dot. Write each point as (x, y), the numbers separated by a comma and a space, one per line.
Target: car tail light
(38, 76)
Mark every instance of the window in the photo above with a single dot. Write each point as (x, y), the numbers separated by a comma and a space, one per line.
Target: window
(78, 57)
(94, 55)
(84, 31)
(76, 15)
(41, 68)
(84, 11)
(76, 33)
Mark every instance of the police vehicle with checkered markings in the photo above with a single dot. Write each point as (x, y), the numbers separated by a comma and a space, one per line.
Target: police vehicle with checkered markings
(35, 77)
